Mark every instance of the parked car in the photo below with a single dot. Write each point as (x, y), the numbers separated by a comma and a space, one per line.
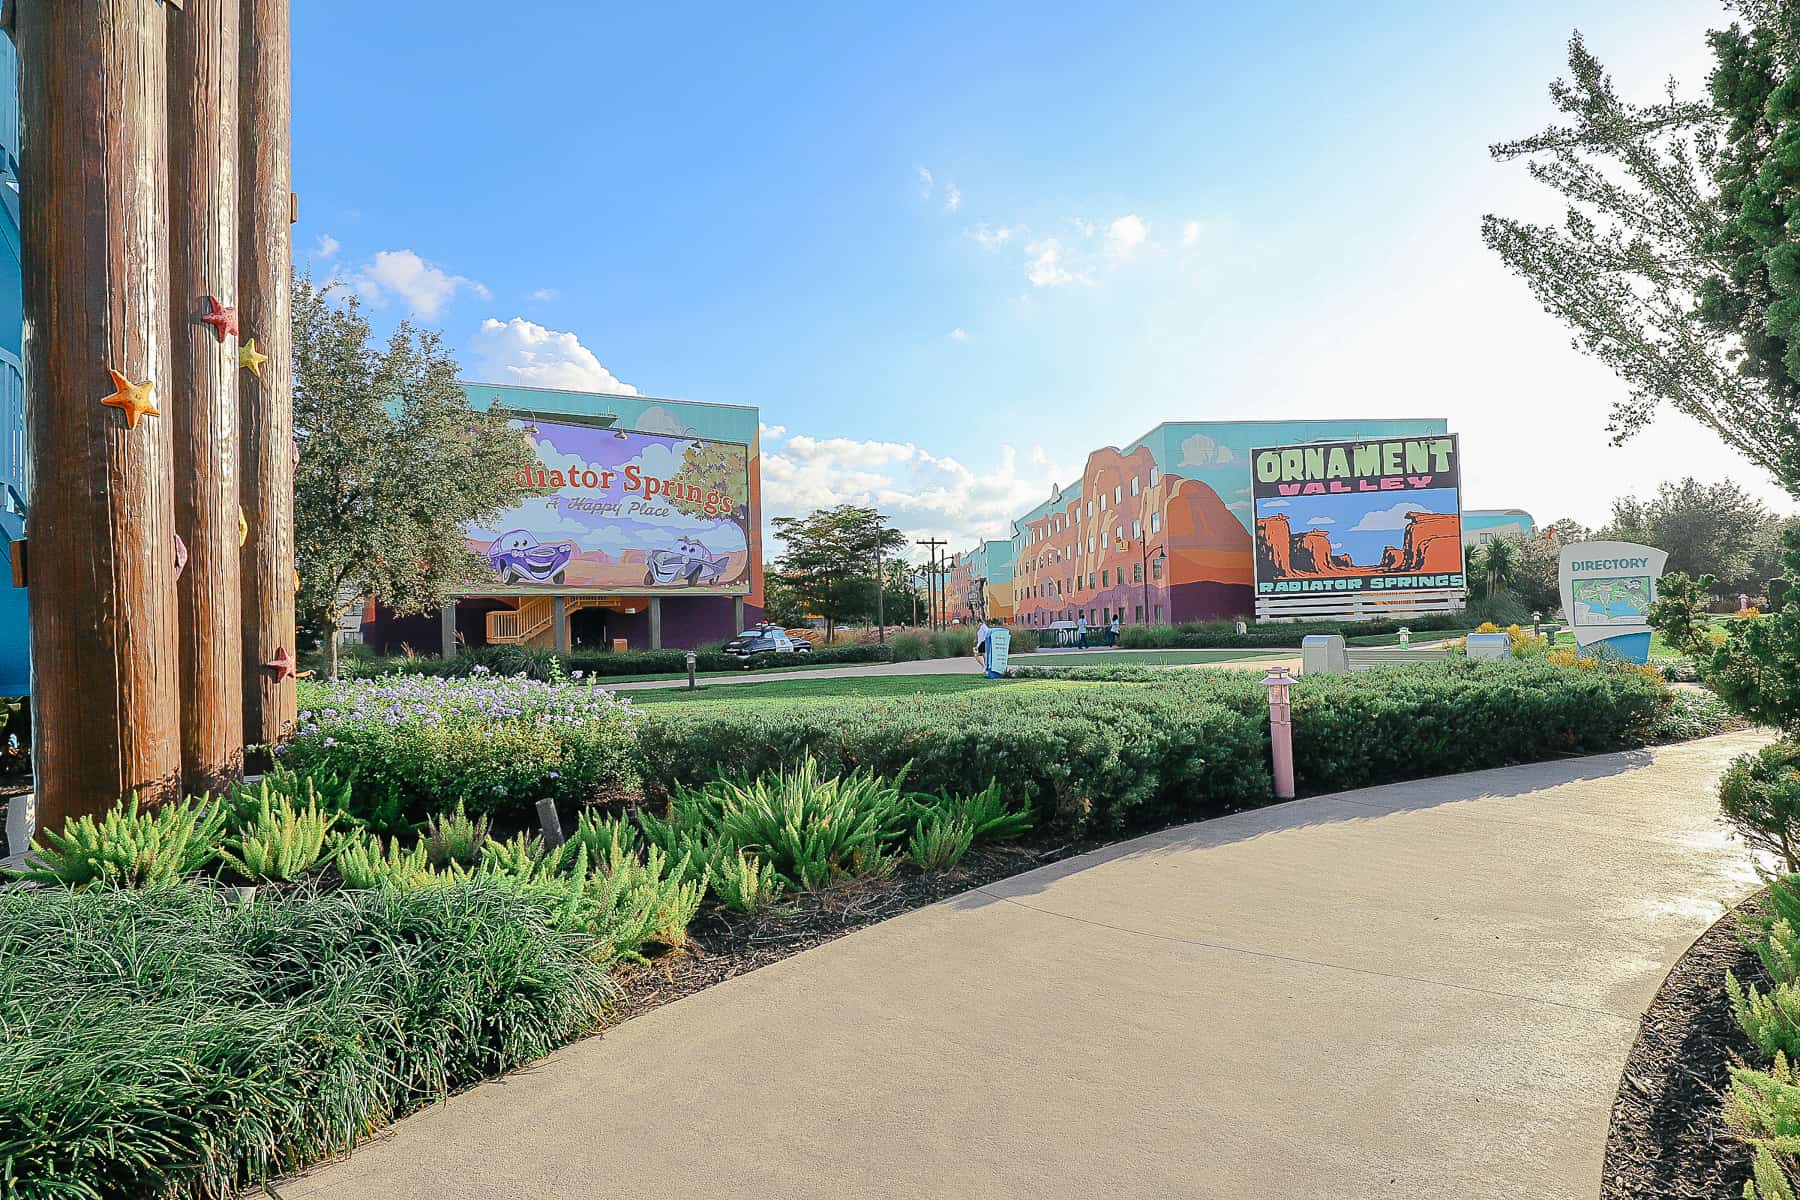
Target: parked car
(689, 561)
(518, 557)
(752, 642)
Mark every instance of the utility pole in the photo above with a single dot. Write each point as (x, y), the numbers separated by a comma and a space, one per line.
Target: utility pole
(101, 555)
(880, 616)
(931, 578)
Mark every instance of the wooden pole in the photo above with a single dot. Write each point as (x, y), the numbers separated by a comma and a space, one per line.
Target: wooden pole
(266, 408)
(203, 236)
(93, 135)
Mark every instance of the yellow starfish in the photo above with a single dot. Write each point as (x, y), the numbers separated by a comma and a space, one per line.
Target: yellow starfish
(251, 358)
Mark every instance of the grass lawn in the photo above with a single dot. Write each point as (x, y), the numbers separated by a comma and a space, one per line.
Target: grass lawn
(873, 687)
(1143, 658)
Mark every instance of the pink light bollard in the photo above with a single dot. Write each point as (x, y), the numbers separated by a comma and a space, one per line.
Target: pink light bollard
(1281, 731)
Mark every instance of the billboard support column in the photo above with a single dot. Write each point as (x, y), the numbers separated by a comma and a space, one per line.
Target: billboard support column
(656, 622)
(737, 614)
(559, 623)
(447, 628)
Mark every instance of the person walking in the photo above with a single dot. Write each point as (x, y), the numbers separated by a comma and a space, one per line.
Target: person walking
(981, 637)
(1112, 631)
(1081, 632)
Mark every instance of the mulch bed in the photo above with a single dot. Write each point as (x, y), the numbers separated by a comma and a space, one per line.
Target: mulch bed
(1668, 1139)
(724, 945)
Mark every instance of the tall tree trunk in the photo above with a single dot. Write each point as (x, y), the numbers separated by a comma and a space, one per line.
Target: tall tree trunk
(203, 235)
(265, 268)
(94, 139)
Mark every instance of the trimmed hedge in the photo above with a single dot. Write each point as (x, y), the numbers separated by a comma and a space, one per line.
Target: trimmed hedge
(1176, 745)
(537, 664)
(1099, 759)
(1223, 635)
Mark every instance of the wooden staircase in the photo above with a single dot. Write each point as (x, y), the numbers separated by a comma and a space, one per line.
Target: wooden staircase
(532, 623)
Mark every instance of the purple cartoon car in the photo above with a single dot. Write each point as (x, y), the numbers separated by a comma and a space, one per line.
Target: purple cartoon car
(689, 561)
(518, 557)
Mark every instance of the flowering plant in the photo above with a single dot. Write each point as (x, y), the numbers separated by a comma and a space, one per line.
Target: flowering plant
(414, 745)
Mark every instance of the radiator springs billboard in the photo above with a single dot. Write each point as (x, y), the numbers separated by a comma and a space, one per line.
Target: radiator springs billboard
(1367, 516)
(619, 511)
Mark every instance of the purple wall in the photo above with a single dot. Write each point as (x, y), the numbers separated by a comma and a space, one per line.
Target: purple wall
(1208, 601)
(688, 621)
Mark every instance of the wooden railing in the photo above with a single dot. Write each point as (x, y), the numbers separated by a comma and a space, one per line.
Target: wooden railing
(533, 620)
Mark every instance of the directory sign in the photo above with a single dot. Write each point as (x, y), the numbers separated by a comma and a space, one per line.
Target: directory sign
(1607, 590)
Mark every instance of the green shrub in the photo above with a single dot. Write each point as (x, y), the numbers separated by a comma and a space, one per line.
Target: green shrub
(362, 862)
(221, 1045)
(415, 746)
(940, 840)
(1102, 758)
(745, 884)
(282, 843)
(1763, 1107)
(455, 838)
(1760, 795)
(1768, 1178)
(991, 817)
(909, 647)
(808, 827)
(130, 847)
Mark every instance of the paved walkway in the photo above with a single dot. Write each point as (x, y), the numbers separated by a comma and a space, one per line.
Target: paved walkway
(1424, 990)
(961, 665)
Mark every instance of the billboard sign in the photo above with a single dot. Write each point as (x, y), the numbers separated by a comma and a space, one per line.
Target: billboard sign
(1607, 590)
(1373, 516)
(622, 512)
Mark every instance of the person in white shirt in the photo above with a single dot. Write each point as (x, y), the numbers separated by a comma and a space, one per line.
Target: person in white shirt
(981, 637)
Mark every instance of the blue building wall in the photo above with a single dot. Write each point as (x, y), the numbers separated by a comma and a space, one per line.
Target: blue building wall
(15, 653)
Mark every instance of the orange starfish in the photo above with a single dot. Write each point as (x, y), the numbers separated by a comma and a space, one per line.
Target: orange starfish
(132, 399)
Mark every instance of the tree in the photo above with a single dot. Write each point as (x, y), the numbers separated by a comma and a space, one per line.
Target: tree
(1535, 573)
(1708, 529)
(394, 463)
(828, 558)
(720, 470)
(1673, 264)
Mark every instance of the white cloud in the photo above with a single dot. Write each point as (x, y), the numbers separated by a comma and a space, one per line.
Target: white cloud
(1277, 503)
(1127, 234)
(992, 237)
(1190, 232)
(1045, 266)
(1320, 521)
(771, 433)
(959, 334)
(1385, 518)
(546, 294)
(1201, 451)
(327, 246)
(524, 352)
(657, 419)
(424, 287)
(923, 494)
(925, 182)
(952, 196)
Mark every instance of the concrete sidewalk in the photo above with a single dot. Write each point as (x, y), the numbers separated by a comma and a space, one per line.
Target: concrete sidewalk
(1423, 990)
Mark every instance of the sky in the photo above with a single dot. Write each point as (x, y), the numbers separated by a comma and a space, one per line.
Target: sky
(948, 249)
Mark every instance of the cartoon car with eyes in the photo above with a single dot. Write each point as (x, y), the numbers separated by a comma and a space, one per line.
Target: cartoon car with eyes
(518, 557)
(689, 562)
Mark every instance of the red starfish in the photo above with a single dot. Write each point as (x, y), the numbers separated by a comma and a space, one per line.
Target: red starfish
(282, 664)
(222, 319)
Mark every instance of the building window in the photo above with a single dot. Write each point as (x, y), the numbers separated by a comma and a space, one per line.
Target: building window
(1156, 569)
(1159, 614)
(1155, 522)
(1137, 530)
(1134, 485)
(1090, 508)
(1105, 580)
(1102, 503)
(1137, 576)
(1118, 492)
(1090, 580)
(1153, 479)
(1138, 614)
